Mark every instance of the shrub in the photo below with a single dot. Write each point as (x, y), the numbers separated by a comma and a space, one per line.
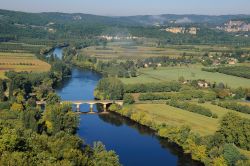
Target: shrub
(191, 108)
(153, 87)
(235, 106)
(128, 99)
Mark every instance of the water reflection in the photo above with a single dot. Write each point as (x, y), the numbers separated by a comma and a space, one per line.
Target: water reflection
(117, 120)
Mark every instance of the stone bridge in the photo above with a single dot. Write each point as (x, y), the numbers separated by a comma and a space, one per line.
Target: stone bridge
(89, 102)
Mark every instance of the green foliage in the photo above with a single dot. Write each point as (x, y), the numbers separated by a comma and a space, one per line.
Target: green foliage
(4, 105)
(60, 118)
(128, 99)
(235, 106)
(109, 88)
(3, 88)
(125, 69)
(192, 108)
(17, 107)
(22, 144)
(114, 107)
(31, 119)
(183, 95)
(102, 157)
(239, 93)
(235, 130)
(240, 71)
(231, 154)
(153, 87)
(52, 98)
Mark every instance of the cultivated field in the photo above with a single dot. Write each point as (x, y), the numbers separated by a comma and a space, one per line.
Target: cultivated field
(21, 62)
(129, 50)
(162, 113)
(189, 73)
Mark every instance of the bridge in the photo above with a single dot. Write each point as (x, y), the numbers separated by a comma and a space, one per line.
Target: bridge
(91, 103)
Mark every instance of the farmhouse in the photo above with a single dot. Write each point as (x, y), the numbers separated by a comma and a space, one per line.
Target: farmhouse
(203, 84)
(232, 61)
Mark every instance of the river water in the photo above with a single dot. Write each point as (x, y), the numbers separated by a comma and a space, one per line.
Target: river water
(135, 144)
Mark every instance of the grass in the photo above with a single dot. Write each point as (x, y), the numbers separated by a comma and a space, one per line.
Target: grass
(191, 73)
(162, 113)
(21, 62)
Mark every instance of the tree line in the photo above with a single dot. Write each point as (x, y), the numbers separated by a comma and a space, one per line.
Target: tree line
(234, 106)
(192, 108)
(239, 71)
(182, 95)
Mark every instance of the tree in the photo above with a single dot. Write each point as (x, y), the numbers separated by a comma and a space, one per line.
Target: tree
(235, 130)
(247, 94)
(3, 88)
(30, 119)
(231, 154)
(222, 93)
(17, 107)
(219, 161)
(128, 99)
(133, 73)
(52, 98)
(181, 79)
(109, 88)
(239, 93)
(103, 157)
(60, 118)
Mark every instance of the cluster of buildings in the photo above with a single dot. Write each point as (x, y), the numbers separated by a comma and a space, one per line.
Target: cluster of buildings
(235, 26)
(223, 60)
(191, 30)
(109, 38)
(77, 17)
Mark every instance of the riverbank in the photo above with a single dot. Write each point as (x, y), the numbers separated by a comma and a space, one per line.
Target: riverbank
(159, 129)
(191, 143)
(51, 49)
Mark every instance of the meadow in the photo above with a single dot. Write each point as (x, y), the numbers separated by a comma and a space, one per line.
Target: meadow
(193, 72)
(21, 62)
(162, 113)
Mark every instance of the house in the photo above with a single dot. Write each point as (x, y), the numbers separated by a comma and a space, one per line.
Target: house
(232, 61)
(176, 30)
(159, 65)
(203, 84)
(216, 62)
(193, 30)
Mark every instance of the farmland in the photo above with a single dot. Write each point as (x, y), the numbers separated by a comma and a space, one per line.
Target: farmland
(190, 73)
(132, 51)
(162, 113)
(123, 51)
(21, 62)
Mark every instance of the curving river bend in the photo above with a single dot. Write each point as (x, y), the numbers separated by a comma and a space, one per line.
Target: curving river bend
(135, 144)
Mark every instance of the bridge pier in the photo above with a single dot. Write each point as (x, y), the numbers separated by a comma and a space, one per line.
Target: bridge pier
(77, 107)
(105, 107)
(91, 107)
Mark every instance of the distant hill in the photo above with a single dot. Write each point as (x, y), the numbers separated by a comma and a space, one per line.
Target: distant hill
(184, 19)
(15, 25)
(42, 19)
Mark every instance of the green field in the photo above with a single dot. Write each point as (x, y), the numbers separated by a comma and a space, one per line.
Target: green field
(162, 113)
(189, 73)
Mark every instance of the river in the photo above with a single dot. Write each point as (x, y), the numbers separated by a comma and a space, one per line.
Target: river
(134, 143)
